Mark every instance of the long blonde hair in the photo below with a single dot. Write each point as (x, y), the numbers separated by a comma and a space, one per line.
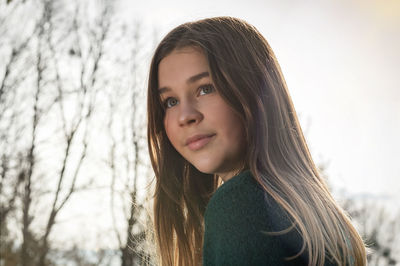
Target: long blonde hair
(247, 75)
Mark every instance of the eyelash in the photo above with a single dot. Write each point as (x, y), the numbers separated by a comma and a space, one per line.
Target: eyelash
(207, 86)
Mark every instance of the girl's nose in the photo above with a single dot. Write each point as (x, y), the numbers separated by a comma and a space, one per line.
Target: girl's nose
(189, 114)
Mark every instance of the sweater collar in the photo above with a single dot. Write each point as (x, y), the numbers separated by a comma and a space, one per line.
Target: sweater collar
(233, 180)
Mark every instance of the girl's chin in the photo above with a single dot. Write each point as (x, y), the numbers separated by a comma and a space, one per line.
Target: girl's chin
(205, 169)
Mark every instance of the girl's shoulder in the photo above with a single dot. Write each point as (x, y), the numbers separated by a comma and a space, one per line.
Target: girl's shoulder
(243, 195)
(238, 220)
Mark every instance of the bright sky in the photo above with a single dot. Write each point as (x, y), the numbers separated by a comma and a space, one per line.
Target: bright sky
(341, 62)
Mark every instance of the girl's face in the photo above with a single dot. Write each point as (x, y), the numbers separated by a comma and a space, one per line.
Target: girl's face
(200, 125)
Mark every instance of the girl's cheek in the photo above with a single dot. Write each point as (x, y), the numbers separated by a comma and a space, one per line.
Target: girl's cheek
(168, 127)
(166, 119)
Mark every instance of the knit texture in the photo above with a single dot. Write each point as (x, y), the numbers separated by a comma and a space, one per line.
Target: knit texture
(236, 219)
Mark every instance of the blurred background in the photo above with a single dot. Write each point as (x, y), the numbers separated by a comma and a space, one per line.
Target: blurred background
(76, 180)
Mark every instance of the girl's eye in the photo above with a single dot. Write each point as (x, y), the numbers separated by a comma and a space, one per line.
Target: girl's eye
(169, 102)
(206, 89)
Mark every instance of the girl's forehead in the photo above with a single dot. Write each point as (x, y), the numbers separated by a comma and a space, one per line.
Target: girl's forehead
(181, 51)
(180, 66)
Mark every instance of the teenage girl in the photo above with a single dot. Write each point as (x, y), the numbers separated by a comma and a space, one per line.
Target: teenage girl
(235, 181)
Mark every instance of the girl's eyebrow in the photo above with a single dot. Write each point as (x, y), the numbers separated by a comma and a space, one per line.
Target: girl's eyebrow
(190, 80)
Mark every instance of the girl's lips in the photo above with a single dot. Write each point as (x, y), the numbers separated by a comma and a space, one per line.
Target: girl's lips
(200, 143)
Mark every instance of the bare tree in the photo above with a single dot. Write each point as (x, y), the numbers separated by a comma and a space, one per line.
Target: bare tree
(16, 165)
(52, 33)
(10, 130)
(379, 229)
(126, 126)
(54, 75)
(86, 94)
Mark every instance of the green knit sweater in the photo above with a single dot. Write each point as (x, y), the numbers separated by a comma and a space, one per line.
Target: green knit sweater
(235, 219)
